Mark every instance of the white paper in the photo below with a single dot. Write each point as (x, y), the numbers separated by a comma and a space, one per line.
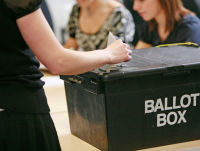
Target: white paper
(111, 39)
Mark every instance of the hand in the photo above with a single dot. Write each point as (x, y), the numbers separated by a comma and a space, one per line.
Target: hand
(119, 52)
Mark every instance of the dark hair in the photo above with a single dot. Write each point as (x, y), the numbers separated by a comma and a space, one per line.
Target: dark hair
(174, 9)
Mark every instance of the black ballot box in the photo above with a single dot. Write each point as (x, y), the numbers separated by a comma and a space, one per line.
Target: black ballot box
(152, 100)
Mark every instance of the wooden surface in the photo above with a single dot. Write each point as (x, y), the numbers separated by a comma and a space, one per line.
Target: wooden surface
(47, 73)
(70, 142)
(54, 89)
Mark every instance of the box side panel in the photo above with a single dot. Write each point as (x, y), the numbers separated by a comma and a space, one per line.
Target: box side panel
(154, 117)
(87, 115)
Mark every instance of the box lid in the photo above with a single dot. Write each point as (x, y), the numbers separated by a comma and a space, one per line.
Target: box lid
(171, 60)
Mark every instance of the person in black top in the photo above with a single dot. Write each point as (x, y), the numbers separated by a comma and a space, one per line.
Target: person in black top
(167, 22)
(25, 122)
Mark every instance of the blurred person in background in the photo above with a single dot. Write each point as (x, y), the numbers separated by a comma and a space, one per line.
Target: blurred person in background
(167, 21)
(137, 19)
(25, 121)
(193, 5)
(91, 21)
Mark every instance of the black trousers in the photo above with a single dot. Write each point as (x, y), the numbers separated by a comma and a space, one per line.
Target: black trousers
(27, 132)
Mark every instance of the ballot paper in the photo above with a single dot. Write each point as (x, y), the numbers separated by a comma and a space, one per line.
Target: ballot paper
(111, 39)
(109, 67)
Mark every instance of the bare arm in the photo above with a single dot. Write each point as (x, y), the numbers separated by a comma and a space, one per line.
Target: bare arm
(141, 45)
(41, 40)
(71, 42)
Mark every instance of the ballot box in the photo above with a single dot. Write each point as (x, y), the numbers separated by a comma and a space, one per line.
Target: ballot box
(152, 100)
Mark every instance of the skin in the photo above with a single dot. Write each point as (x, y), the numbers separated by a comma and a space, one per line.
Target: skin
(42, 41)
(148, 10)
(92, 17)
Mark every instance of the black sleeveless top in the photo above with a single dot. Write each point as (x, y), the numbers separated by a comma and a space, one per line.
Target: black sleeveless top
(20, 86)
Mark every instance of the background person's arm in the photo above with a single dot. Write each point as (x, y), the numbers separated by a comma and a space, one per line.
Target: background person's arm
(141, 45)
(42, 41)
(71, 43)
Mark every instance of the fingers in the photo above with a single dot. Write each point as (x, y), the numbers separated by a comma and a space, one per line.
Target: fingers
(127, 46)
(128, 59)
(129, 52)
(119, 51)
(129, 55)
(128, 49)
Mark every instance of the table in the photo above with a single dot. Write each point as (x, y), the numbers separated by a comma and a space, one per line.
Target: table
(70, 142)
